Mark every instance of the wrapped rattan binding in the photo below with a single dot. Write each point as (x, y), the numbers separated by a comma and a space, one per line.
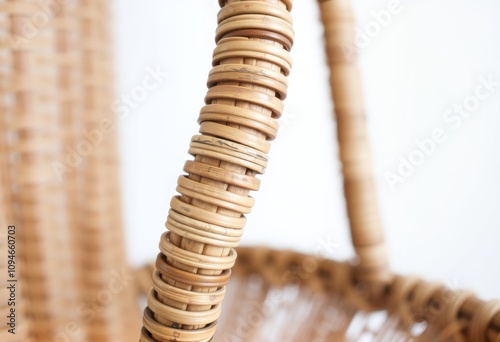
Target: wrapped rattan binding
(246, 87)
(244, 100)
(61, 187)
(354, 151)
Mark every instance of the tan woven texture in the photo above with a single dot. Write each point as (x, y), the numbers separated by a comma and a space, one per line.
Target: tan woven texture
(107, 278)
(8, 238)
(288, 296)
(61, 173)
(33, 134)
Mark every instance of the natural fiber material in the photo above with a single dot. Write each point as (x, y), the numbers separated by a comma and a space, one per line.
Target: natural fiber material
(354, 150)
(37, 195)
(21, 327)
(282, 295)
(279, 295)
(18, 301)
(62, 171)
(107, 278)
(73, 283)
(246, 87)
(69, 80)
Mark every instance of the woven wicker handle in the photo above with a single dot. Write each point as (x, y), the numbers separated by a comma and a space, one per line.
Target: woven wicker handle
(366, 230)
(246, 88)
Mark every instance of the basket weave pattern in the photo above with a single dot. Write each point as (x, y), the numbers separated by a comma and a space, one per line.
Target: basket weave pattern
(33, 130)
(59, 177)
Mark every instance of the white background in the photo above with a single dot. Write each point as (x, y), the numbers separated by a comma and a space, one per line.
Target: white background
(442, 222)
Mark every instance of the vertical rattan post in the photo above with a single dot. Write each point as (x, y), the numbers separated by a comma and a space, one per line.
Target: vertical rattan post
(366, 229)
(38, 195)
(246, 87)
(109, 285)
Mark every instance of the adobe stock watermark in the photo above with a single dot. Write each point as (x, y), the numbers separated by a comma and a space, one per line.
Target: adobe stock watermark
(30, 24)
(425, 315)
(453, 119)
(325, 248)
(92, 307)
(364, 35)
(286, 120)
(122, 108)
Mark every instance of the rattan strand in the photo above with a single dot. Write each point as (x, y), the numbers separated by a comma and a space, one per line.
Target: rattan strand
(184, 296)
(270, 124)
(182, 316)
(256, 76)
(252, 7)
(191, 279)
(230, 92)
(206, 227)
(254, 22)
(204, 237)
(254, 155)
(261, 34)
(222, 175)
(233, 47)
(196, 260)
(179, 335)
(193, 193)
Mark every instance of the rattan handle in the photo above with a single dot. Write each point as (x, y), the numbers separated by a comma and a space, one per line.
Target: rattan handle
(366, 230)
(246, 87)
